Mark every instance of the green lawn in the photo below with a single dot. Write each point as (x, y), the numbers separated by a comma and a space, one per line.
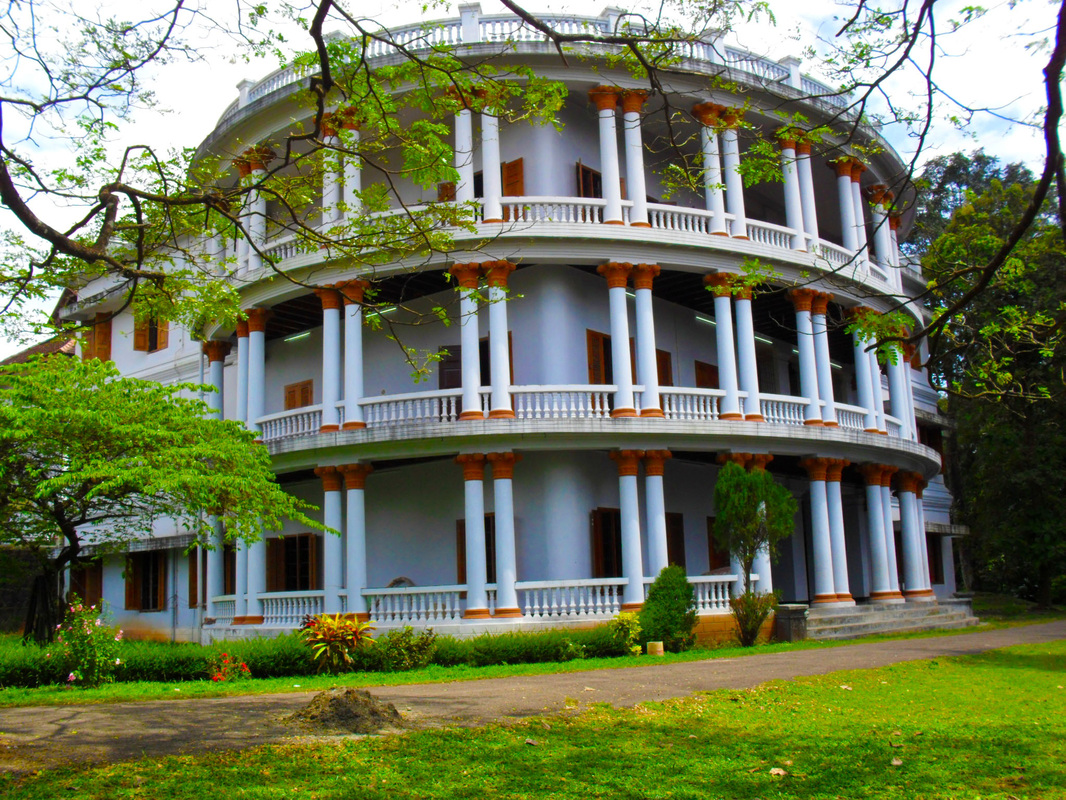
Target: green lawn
(988, 726)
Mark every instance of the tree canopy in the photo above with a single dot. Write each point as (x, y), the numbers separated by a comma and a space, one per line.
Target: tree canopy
(91, 458)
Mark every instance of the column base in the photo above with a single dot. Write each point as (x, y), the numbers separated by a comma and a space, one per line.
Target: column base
(845, 598)
(631, 608)
(652, 412)
(471, 415)
(359, 616)
(755, 418)
(745, 237)
(492, 220)
(623, 412)
(247, 620)
(816, 422)
(870, 430)
(501, 413)
(886, 597)
(883, 433)
(719, 233)
(476, 613)
(639, 224)
(613, 222)
(920, 595)
(508, 613)
(353, 426)
(831, 423)
(819, 599)
(731, 415)
(329, 429)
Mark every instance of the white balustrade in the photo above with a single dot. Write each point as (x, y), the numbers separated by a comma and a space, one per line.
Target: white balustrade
(769, 234)
(893, 425)
(285, 425)
(415, 604)
(712, 593)
(281, 248)
(560, 210)
(562, 402)
(402, 409)
(288, 609)
(690, 404)
(225, 607)
(755, 65)
(557, 600)
(809, 86)
(783, 410)
(852, 418)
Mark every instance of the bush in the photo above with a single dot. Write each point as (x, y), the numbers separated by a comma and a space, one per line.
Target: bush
(402, 650)
(334, 639)
(278, 657)
(164, 661)
(27, 665)
(669, 613)
(87, 647)
(452, 652)
(750, 611)
(625, 631)
(520, 647)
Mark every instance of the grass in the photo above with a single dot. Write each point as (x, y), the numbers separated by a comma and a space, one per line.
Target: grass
(988, 726)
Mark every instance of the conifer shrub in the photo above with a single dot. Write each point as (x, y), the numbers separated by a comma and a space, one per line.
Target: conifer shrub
(669, 612)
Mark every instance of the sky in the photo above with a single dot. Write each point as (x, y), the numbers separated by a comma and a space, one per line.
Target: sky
(984, 64)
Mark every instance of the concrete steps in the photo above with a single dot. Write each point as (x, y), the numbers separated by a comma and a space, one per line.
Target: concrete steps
(867, 619)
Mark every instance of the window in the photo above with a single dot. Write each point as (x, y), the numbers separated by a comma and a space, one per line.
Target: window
(932, 436)
(229, 567)
(675, 538)
(490, 549)
(446, 192)
(599, 355)
(150, 335)
(606, 543)
(292, 563)
(146, 582)
(299, 395)
(717, 558)
(87, 581)
(589, 182)
(450, 367)
(706, 375)
(936, 558)
(514, 182)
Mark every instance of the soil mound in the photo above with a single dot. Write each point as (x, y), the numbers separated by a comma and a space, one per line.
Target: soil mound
(347, 710)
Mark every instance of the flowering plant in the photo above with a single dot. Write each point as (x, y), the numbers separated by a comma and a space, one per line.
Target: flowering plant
(334, 637)
(224, 668)
(88, 646)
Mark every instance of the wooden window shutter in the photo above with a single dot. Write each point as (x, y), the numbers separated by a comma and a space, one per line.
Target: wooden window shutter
(275, 564)
(161, 581)
(596, 529)
(595, 343)
(307, 394)
(133, 583)
(445, 191)
(229, 565)
(162, 334)
(460, 551)
(514, 184)
(622, 187)
(706, 375)
(140, 336)
(312, 562)
(675, 538)
(194, 565)
(490, 548)
(299, 395)
(102, 337)
(665, 367)
(292, 397)
(88, 343)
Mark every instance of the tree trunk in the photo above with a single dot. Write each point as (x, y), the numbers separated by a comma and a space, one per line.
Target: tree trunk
(42, 614)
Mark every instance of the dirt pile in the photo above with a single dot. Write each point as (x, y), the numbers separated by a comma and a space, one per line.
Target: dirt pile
(347, 710)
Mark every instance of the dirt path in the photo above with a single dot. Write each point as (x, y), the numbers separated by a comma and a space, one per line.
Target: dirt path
(33, 738)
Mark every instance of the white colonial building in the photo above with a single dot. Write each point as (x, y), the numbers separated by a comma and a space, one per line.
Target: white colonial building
(565, 446)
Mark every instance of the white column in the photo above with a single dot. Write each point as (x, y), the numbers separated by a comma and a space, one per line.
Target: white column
(877, 390)
(734, 184)
(863, 378)
(353, 293)
(880, 585)
(466, 276)
(332, 555)
(898, 393)
(216, 352)
(819, 307)
(806, 182)
(506, 561)
(353, 174)
(355, 537)
(890, 533)
(761, 564)
(721, 284)
(256, 579)
(257, 319)
(647, 360)
(714, 195)
(242, 372)
(632, 102)
(497, 273)
(240, 588)
(464, 156)
(332, 178)
(793, 196)
(258, 158)
(824, 585)
(629, 510)
(842, 166)
(747, 362)
(605, 99)
(331, 358)
(860, 217)
(617, 276)
(923, 540)
(801, 300)
(655, 502)
(216, 568)
(490, 166)
(477, 602)
(908, 371)
(915, 571)
(882, 234)
(836, 529)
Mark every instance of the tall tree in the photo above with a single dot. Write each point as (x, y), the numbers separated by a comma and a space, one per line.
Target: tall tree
(90, 458)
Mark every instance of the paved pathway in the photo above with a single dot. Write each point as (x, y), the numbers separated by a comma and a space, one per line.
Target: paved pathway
(42, 737)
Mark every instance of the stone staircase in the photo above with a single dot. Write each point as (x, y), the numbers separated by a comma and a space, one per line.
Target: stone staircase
(866, 619)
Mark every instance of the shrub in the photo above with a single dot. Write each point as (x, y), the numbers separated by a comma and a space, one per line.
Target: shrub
(88, 648)
(334, 639)
(225, 668)
(163, 661)
(625, 630)
(750, 611)
(278, 657)
(452, 652)
(520, 647)
(669, 613)
(403, 649)
(27, 665)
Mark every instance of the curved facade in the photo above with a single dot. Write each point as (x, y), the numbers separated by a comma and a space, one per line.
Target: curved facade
(606, 357)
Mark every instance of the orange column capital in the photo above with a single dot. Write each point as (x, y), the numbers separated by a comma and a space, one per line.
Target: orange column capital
(331, 298)
(331, 478)
(258, 157)
(802, 299)
(876, 193)
(498, 272)
(835, 469)
(708, 114)
(893, 221)
(759, 461)
(616, 273)
(604, 97)
(721, 283)
(842, 166)
(740, 459)
(857, 169)
(731, 117)
(215, 350)
(803, 148)
(887, 471)
(908, 481)
(352, 292)
(628, 461)
(820, 303)
(633, 100)
(242, 329)
(257, 319)
(473, 465)
(466, 275)
(355, 475)
(816, 467)
(655, 461)
(503, 465)
(871, 472)
(644, 274)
